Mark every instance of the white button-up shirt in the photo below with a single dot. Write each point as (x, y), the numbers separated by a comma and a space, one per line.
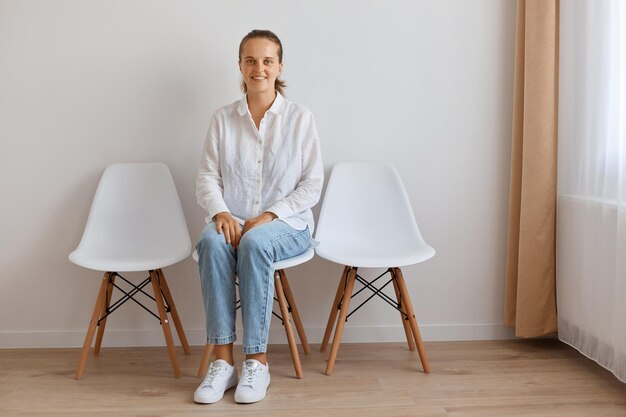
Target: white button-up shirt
(277, 167)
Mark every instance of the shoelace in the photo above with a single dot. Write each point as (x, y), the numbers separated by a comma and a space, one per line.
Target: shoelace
(249, 375)
(214, 371)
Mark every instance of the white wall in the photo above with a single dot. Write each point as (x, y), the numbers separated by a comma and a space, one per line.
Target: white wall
(424, 84)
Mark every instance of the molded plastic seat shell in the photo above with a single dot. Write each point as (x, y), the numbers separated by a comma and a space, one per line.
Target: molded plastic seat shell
(136, 222)
(366, 219)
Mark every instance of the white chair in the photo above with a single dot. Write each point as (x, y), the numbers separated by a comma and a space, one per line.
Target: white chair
(136, 223)
(366, 220)
(287, 304)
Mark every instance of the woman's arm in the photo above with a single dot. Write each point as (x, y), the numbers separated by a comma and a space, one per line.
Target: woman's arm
(309, 189)
(209, 188)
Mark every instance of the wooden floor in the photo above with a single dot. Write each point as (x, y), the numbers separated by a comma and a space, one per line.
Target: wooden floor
(483, 378)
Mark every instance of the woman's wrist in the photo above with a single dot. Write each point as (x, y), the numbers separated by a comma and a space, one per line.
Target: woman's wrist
(222, 215)
(271, 216)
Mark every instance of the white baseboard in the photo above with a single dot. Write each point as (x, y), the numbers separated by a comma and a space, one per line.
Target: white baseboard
(355, 334)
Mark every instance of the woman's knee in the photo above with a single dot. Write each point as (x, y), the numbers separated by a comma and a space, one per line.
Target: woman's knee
(210, 241)
(253, 244)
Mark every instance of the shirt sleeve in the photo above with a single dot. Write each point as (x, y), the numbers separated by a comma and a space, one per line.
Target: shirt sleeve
(309, 189)
(209, 186)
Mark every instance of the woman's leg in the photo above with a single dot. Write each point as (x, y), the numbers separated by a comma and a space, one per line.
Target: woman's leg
(217, 264)
(258, 249)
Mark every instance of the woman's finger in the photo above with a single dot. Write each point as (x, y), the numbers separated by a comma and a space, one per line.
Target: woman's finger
(226, 229)
(233, 233)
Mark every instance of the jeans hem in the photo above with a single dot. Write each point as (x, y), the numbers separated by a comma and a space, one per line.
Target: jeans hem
(221, 340)
(250, 350)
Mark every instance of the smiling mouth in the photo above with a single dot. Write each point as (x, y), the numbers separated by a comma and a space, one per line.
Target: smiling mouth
(258, 78)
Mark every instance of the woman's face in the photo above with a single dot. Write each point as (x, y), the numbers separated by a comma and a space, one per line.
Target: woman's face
(259, 65)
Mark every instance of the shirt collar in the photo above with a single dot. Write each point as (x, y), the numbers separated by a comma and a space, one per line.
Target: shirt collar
(277, 105)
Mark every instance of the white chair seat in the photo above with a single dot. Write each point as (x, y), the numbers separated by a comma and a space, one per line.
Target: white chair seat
(285, 263)
(123, 262)
(136, 222)
(366, 219)
(375, 256)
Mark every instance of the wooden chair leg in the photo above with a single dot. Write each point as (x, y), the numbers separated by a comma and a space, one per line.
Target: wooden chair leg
(165, 324)
(100, 299)
(409, 309)
(332, 318)
(294, 311)
(206, 358)
(282, 302)
(170, 301)
(350, 279)
(103, 312)
(403, 315)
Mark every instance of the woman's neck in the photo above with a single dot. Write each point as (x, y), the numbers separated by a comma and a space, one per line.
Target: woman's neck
(258, 104)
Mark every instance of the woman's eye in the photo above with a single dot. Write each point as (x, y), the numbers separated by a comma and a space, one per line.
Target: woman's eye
(250, 61)
(268, 62)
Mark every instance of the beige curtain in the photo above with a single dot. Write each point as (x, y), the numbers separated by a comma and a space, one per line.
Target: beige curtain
(530, 299)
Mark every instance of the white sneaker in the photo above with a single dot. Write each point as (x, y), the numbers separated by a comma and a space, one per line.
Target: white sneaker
(255, 378)
(220, 377)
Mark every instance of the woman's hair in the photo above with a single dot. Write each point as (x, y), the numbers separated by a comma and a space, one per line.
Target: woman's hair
(279, 85)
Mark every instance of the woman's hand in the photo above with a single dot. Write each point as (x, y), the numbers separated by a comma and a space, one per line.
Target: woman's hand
(257, 221)
(224, 222)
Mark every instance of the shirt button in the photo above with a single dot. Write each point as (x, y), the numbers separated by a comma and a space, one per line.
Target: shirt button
(258, 162)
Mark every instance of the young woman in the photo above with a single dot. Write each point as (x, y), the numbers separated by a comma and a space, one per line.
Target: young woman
(260, 174)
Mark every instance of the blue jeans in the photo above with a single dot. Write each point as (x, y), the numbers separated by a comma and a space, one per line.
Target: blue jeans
(253, 262)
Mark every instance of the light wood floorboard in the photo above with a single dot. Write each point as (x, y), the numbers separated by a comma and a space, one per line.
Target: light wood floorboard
(468, 379)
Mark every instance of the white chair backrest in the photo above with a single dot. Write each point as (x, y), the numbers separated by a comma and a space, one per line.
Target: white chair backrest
(136, 221)
(367, 210)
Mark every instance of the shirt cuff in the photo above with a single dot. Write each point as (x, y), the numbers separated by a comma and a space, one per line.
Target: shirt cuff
(217, 207)
(281, 209)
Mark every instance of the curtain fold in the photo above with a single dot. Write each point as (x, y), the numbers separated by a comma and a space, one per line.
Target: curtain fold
(530, 299)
